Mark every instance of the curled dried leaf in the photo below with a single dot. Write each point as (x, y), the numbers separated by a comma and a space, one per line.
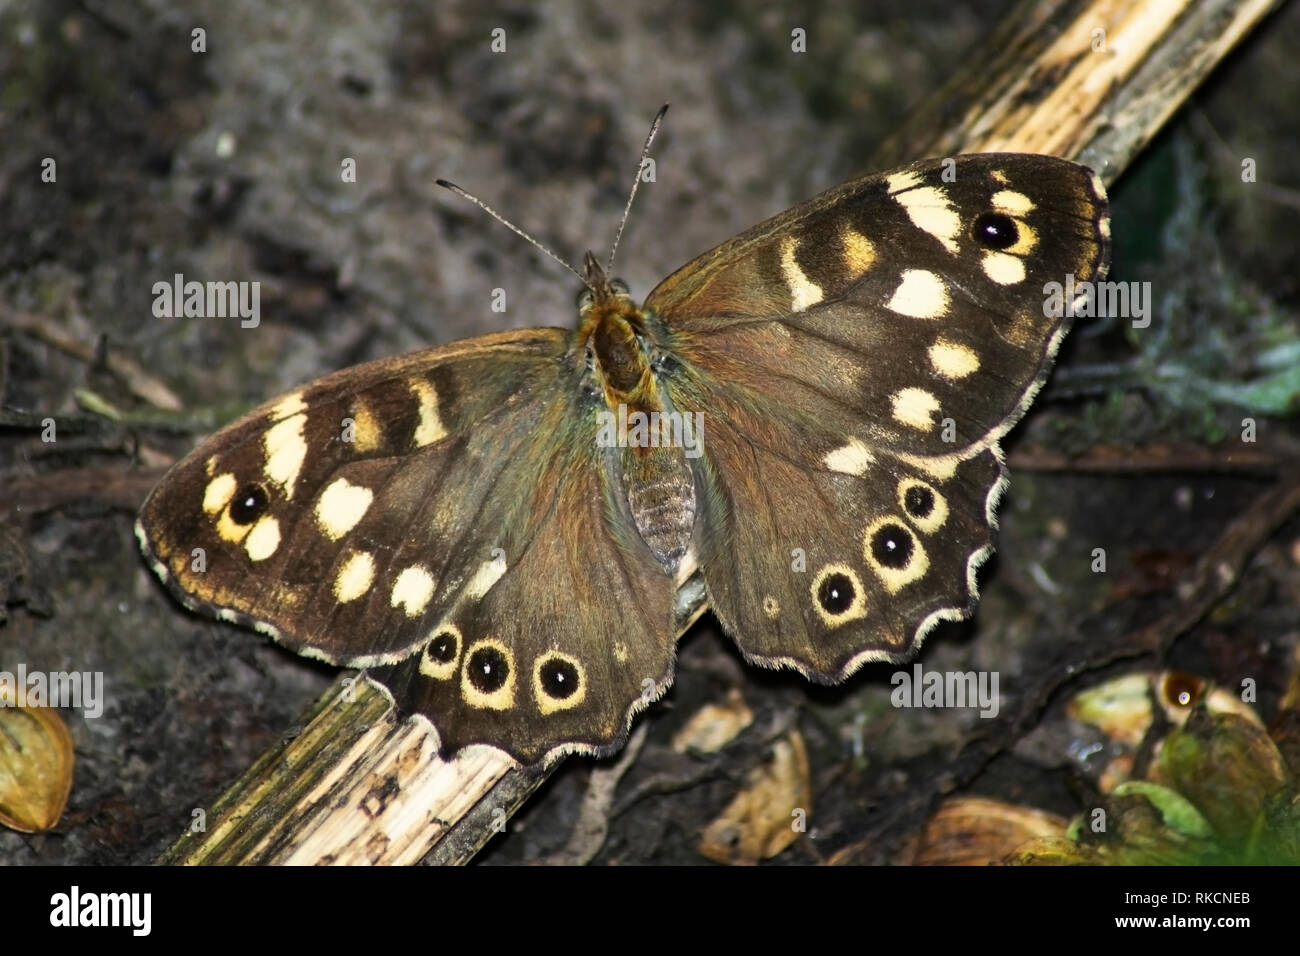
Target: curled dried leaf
(975, 831)
(36, 761)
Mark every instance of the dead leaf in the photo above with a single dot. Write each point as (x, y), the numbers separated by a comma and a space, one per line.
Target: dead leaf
(769, 812)
(714, 726)
(975, 831)
(36, 760)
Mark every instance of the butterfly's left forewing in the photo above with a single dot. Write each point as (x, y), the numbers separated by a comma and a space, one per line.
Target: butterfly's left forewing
(297, 518)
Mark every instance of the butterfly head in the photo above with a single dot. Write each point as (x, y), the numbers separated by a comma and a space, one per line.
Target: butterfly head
(598, 288)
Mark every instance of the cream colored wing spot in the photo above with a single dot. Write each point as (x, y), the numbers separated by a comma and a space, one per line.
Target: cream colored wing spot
(853, 458)
(894, 553)
(439, 657)
(915, 407)
(1002, 268)
(837, 595)
(291, 404)
(923, 504)
(899, 182)
(229, 531)
(285, 447)
(952, 360)
(354, 577)
(263, 539)
(485, 577)
(921, 295)
(804, 293)
(559, 682)
(367, 432)
(340, 506)
(430, 429)
(938, 467)
(1012, 203)
(487, 676)
(999, 176)
(620, 651)
(771, 607)
(931, 212)
(412, 590)
(859, 252)
(219, 492)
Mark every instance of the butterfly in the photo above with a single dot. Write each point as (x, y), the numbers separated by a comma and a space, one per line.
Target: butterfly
(806, 419)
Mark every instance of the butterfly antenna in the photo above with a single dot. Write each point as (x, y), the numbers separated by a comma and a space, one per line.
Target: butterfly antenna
(645, 151)
(507, 223)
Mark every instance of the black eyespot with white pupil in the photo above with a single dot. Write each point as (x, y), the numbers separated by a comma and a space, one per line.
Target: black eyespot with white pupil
(996, 230)
(443, 648)
(836, 593)
(919, 501)
(891, 546)
(559, 679)
(249, 504)
(488, 669)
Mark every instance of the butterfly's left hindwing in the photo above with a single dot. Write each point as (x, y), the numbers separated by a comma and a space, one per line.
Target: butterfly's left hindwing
(585, 614)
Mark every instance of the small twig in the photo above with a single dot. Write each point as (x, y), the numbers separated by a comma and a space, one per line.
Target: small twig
(141, 383)
(589, 832)
(113, 486)
(1107, 459)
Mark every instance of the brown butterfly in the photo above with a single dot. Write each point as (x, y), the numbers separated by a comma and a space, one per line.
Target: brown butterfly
(806, 419)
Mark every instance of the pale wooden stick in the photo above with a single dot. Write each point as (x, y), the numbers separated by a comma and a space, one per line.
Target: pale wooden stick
(356, 786)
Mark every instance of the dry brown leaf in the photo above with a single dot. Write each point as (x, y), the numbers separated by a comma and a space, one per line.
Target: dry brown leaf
(768, 813)
(36, 760)
(975, 831)
(714, 726)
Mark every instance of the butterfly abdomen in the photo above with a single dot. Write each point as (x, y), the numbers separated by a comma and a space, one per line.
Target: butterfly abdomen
(660, 490)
